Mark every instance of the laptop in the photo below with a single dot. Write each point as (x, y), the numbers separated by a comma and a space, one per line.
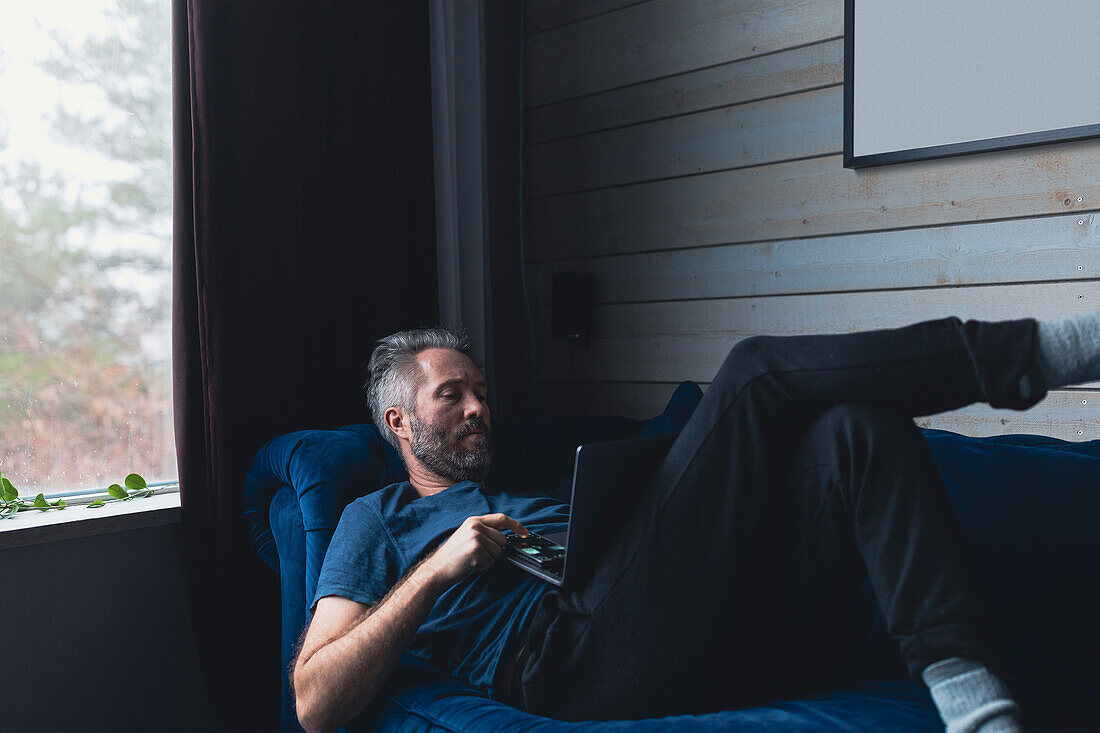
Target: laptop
(606, 478)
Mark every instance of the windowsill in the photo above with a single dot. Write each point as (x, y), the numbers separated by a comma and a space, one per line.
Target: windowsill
(34, 527)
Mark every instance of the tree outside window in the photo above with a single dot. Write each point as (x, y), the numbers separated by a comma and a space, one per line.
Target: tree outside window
(85, 242)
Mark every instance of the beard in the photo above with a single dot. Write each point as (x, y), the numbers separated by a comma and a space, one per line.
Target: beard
(446, 455)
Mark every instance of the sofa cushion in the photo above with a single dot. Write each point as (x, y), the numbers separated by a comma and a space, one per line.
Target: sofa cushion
(421, 698)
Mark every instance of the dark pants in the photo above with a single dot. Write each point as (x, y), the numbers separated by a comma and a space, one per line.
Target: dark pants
(801, 472)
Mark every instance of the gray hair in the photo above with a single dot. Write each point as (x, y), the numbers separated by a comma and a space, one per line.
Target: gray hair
(394, 374)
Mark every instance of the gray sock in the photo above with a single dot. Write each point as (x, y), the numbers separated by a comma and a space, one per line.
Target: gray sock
(970, 698)
(1068, 351)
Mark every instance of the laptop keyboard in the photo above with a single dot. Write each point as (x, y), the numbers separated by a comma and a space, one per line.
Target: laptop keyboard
(545, 553)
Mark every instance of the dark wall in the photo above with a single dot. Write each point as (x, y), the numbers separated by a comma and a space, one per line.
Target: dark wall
(97, 636)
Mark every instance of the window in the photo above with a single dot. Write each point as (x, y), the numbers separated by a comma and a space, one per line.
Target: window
(85, 243)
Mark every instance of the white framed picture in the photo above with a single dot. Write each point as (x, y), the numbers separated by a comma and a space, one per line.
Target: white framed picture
(943, 77)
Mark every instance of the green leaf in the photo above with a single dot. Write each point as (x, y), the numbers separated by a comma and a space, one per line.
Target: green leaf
(7, 491)
(117, 491)
(40, 503)
(96, 504)
(8, 510)
(135, 482)
(60, 504)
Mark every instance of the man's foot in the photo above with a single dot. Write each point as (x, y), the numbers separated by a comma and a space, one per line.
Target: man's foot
(970, 698)
(1068, 351)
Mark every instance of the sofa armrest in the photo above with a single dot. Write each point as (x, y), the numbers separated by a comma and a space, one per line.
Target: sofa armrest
(1029, 507)
(325, 469)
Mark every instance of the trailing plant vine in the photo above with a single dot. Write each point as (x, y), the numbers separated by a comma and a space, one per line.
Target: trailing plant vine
(132, 487)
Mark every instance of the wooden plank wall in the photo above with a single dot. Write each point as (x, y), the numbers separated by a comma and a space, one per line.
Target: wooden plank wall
(688, 153)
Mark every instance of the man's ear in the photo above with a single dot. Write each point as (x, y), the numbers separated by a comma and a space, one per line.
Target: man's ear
(397, 423)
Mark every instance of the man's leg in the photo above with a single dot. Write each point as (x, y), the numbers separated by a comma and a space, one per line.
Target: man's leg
(677, 615)
(866, 500)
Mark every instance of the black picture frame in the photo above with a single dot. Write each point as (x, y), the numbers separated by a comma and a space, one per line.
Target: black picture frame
(1065, 134)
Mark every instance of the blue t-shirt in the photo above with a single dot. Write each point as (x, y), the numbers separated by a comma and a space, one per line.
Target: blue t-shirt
(477, 621)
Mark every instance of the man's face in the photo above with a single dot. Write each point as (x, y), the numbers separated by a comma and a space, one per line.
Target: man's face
(450, 425)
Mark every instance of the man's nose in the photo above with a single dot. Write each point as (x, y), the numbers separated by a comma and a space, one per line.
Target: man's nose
(474, 407)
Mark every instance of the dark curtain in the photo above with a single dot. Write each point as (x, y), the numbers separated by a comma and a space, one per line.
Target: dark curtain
(511, 344)
(304, 231)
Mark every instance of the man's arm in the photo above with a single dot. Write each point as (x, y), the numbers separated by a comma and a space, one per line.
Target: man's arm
(350, 648)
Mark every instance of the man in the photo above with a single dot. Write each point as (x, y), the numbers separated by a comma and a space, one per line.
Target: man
(729, 579)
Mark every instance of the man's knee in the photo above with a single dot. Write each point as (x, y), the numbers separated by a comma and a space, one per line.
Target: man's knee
(749, 358)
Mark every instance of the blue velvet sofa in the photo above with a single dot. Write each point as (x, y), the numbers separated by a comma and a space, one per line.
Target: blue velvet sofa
(1029, 507)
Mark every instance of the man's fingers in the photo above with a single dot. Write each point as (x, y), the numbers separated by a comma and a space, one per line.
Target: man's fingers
(495, 535)
(503, 521)
(494, 549)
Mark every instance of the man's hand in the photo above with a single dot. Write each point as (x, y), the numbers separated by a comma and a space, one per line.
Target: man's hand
(475, 545)
(350, 649)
